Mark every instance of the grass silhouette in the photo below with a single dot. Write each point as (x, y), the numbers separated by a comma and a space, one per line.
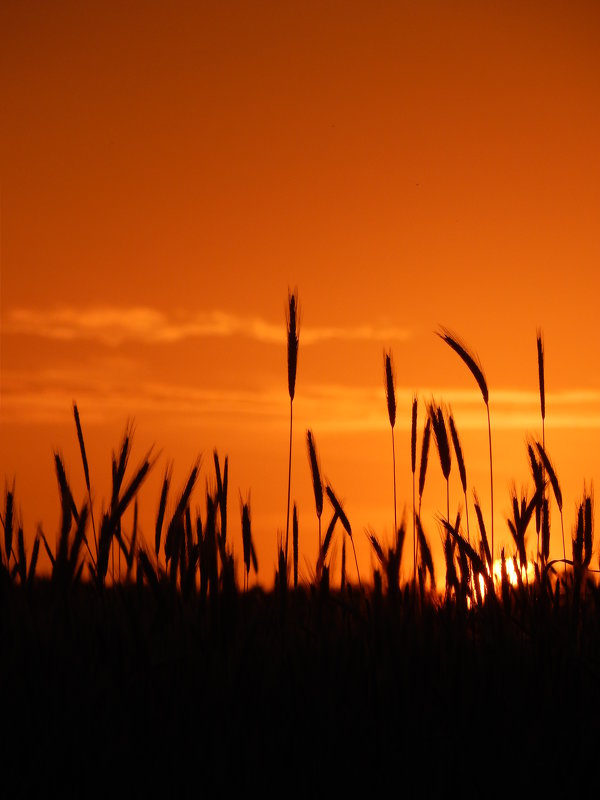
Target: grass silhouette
(331, 684)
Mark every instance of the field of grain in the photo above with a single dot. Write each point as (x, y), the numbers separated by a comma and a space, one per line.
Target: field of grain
(154, 669)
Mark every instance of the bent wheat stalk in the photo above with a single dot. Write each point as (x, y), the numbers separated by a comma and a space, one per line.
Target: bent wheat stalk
(341, 515)
(476, 370)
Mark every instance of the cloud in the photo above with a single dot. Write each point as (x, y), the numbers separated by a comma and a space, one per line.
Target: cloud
(107, 390)
(114, 326)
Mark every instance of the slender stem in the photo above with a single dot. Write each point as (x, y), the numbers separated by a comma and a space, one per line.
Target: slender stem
(93, 523)
(562, 527)
(417, 545)
(287, 527)
(319, 533)
(414, 530)
(394, 471)
(356, 562)
(543, 473)
(491, 480)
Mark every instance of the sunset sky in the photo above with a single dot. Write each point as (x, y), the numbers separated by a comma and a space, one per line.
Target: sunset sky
(170, 170)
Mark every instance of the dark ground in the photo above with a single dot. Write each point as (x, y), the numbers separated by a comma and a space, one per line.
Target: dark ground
(128, 690)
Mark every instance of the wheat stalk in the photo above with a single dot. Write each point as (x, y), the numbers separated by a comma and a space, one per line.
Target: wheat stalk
(549, 468)
(413, 466)
(292, 363)
(8, 521)
(246, 538)
(484, 540)
(161, 510)
(462, 470)
(295, 544)
(390, 394)
(341, 514)
(426, 558)
(588, 531)
(537, 471)
(540, 357)
(476, 370)
(86, 470)
(316, 477)
(438, 423)
(424, 459)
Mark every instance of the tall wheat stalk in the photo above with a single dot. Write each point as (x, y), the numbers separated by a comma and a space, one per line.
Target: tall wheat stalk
(462, 470)
(422, 474)
(539, 479)
(413, 464)
(86, 470)
(424, 459)
(341, 515)
(542, 387)
(476, 370)
(295, 544)
(549, 468)
(438, 423)
(246, 538)
(390, 394)
(292, 363)
(316, 478)
(540, 355)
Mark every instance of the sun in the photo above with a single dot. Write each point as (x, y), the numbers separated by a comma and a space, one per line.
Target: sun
(527, 572)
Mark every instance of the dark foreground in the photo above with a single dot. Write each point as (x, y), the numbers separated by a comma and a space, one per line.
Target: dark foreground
(311, 692)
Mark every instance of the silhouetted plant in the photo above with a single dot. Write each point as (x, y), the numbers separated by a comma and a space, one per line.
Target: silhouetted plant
(7, 573)
(222, 483)
(345, 523)
(476, 369)
(424, 459)
(121, 498)
(160, 514)
(317, 483)
(483, 534)
(462, 470)
(541, 380)
(390, 394)
(246, 538)
(549, 469)
(324, 549)
(413, 466)
(295, 544)
(522, 512)
(86, 470)
(292, 363)
(539, 480)
(391, 559)
(440, 433)
(426, 558)
(7, 524)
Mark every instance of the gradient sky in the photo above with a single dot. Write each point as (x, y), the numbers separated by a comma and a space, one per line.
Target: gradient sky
(169, 171)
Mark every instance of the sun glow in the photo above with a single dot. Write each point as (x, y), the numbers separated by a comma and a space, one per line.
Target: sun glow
(515, 574)
(527, 571)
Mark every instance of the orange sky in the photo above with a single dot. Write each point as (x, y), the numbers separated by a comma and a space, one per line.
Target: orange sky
(168, 171)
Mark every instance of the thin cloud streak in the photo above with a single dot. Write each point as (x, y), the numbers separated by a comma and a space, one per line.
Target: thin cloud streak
(114, 326)
(47, 397)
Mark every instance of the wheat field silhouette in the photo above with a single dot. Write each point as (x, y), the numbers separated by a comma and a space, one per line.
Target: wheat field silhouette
(126, 649)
